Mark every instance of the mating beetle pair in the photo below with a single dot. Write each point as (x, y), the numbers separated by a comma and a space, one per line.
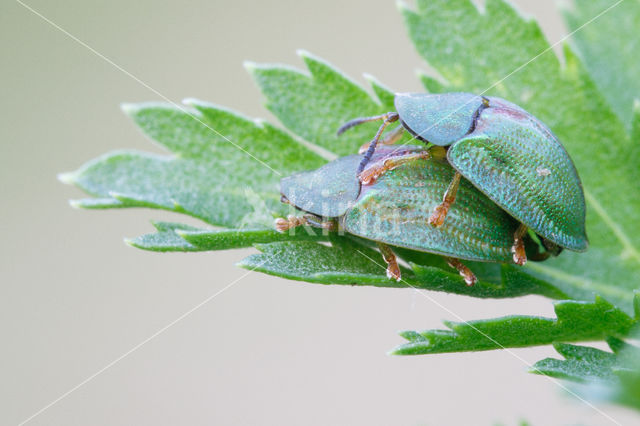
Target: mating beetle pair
(502, 152)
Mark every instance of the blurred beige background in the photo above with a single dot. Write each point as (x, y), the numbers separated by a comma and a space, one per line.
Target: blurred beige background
(267, 351)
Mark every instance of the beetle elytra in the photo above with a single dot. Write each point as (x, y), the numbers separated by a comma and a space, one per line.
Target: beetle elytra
(504, 151)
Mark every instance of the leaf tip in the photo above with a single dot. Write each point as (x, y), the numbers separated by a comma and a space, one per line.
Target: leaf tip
(191, 101)
(409, 334)
(402, 6)
(313, 61)
(373, 81)
(186, 234)
(245, 263)
(68, 178)
(131, 242)
(534, 369)
(249, 65)
(76, 204)
(370, 78)
(303, 53)
(159, 225)
(567, 8)
(116, 195)
(129, 108)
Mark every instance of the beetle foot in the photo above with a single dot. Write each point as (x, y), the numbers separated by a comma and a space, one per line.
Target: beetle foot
(466, 273)
(393, 272)
(393, 269)
(283, 225)
(519, 254)
(439, 214)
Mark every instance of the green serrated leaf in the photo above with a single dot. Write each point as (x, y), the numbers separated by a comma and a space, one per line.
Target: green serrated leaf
(166, 239)
(179, 237)
(606, 37)
(432, 84)
(576, 321)
(470, 51)
(581, 364)
(349, 260)
(315, 105)
(385, 95)
(340, 263)
(496, 280)
(613, 376)
(224, 169)
(217, 172)
(239, 238)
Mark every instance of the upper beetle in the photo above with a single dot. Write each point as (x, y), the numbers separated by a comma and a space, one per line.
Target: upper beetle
(504, 151)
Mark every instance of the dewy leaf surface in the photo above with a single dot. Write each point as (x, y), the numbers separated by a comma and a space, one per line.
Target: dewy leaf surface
(499, 53)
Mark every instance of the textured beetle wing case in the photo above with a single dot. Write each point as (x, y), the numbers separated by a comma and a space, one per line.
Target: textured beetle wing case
(328, 191)
(396, 209)
(440, 119)
(519, 164)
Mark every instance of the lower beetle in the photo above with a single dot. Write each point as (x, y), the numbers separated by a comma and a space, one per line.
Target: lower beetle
(393, 208)
(504, 151)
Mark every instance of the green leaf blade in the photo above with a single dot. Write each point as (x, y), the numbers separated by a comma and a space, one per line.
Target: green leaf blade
(576, 321)
(315, 105)
(611, 376)
(165, 240)
(469, 50)
(211, 176)
(581, 364)
(605, 35)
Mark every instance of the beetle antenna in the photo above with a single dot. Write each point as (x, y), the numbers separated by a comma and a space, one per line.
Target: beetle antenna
(357, 121)
(389, 117)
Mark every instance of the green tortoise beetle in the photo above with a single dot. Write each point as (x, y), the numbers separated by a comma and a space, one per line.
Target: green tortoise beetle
(393, 209)
(504, 151)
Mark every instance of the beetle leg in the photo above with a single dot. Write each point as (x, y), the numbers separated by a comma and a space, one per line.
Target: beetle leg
(441, 210)
(519, 255)
(389, 117)
(283, 225)
(371, 174)
(393, 270)
(469, 277)
(317, 222)
(389, 139)
(550, 249)
(290, 222)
